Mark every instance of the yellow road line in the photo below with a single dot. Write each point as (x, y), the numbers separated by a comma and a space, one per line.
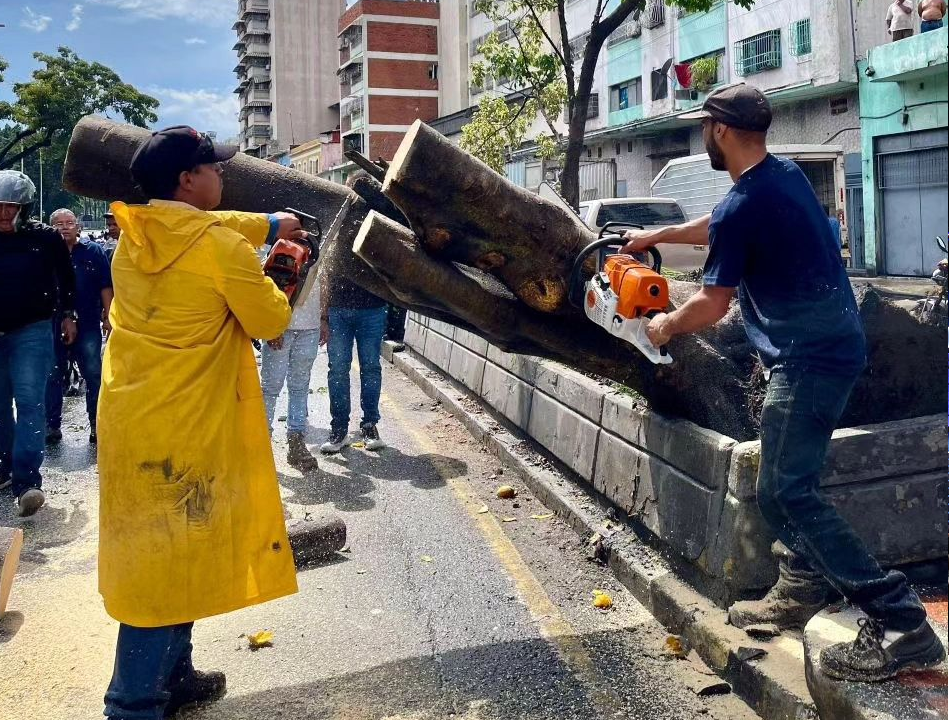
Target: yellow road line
(552, 625)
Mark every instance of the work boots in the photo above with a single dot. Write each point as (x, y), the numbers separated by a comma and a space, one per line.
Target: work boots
(298, 454)
(794, 599)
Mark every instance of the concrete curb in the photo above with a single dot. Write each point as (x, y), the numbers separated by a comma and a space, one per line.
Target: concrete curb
(773, 684)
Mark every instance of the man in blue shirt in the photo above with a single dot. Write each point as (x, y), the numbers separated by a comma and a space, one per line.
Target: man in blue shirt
(769, 238)
(93, 300)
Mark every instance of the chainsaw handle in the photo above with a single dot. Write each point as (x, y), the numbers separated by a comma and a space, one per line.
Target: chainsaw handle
(615, 227)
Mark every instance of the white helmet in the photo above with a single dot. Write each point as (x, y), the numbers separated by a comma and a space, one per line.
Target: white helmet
(17, 188)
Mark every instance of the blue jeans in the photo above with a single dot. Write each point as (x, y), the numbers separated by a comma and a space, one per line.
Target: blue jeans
(293, 363)
(365, 326)
(928, 25)
(148, 662)
(25, 359)
(800, 411)
(87, 351)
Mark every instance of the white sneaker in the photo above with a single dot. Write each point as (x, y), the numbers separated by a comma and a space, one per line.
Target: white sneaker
(337, 441)
(29, 502)
(370, 437)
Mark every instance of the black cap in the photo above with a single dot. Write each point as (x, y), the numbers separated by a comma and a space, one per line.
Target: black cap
(739, 106)
(167, 153)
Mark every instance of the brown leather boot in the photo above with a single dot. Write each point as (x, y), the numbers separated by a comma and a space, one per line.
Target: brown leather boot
(298, 454)
(795, 598)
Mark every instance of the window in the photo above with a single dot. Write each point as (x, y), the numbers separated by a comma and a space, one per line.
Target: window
(433, 71)
(578, 45)
(758, 53)
(654, 14)
(593, 107)
(599, 152)
(626, 95)
(630, 29)
(629, 146)
(799, 37)
(641, 213)
(618, 149)
(839, 106)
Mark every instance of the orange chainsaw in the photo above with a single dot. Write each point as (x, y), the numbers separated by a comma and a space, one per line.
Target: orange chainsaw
(624, 292)
(290, 261)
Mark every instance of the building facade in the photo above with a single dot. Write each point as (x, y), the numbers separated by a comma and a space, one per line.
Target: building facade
(388, 72)
(286, 81)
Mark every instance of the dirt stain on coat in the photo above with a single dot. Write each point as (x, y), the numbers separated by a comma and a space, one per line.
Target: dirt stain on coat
(194, 488)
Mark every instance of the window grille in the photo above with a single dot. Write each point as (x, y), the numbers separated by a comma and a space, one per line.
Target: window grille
(799, 37)
(758, 53)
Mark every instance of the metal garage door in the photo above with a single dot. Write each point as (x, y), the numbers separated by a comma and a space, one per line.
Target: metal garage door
(912, 182)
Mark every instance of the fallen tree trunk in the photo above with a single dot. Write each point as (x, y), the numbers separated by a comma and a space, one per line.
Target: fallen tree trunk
(520, 239)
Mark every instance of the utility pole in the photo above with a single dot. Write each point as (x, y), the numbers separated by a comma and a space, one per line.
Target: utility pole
(41, 185)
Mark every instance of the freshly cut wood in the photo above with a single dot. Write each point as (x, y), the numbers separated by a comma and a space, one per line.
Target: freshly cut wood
(11, 543)
(463, 211)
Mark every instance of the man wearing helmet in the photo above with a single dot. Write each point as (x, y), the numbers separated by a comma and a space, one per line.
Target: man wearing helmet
(36, 282)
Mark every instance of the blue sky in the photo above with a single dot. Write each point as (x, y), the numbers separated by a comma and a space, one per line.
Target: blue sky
(178, 51)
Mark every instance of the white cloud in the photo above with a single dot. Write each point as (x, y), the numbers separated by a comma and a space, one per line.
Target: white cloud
(76, 20)
(202, 109)
(195, 41)
(32, 21)
(219, 12)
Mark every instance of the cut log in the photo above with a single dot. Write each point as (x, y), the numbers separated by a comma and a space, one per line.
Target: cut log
(495, 259)
(465, 212)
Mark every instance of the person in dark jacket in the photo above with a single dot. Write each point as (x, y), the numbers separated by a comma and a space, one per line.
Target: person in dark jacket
(36, 283)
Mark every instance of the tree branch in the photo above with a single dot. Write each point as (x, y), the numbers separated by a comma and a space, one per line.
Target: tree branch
(605, 27)
(540, 25)
(20, 137)
(568, 52)
(45, 142)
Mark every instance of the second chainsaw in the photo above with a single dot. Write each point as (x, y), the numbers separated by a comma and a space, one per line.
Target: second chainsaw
(624, 292)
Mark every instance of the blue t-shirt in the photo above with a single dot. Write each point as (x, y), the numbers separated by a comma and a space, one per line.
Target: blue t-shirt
(770, 238)
(93, 275)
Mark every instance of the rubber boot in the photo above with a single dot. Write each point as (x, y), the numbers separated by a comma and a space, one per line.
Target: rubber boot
(794, 599)
(298, 455)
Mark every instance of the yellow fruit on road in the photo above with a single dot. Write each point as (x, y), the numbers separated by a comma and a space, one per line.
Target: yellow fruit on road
(602, 601)
(506, 492)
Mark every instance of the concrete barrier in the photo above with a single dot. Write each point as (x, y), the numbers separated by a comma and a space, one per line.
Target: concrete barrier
(691, 488)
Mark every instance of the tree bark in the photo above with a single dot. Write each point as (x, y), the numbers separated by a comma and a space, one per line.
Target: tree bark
(463, 211)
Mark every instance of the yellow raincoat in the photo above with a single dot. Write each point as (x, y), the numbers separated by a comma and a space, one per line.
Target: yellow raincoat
(191, 522)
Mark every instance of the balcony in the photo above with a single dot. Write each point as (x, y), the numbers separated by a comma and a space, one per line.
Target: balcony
(248, 8)
(254, 50)
(913, 58)
(258, 74)
(257, 131)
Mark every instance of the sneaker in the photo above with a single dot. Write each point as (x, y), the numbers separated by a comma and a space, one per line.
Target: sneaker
(369, 435)
(93, 436)
(53, 436)
(878, 654)
(298, 454)
(338, 440)
(29, 502)
(201, 687)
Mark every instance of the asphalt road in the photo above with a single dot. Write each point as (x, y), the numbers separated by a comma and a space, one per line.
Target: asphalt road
(449, 603)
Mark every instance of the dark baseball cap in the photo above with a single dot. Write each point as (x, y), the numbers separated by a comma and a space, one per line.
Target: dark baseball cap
(739, 106)
(169, 152)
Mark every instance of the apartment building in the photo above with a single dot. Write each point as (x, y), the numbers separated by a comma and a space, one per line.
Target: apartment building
(286, 65)
(388, 72)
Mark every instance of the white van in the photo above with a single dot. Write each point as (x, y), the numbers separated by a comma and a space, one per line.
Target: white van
(648, 212)
(698, 189)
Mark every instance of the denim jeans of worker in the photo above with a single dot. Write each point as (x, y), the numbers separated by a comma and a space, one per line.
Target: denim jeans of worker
(291, 363)
(929, 25)
(26, 356)
(365, 327)
(148, 663)
(87, 351)
(800, 412)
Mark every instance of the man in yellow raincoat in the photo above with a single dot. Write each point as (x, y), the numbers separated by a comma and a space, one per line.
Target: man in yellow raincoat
(191, 523)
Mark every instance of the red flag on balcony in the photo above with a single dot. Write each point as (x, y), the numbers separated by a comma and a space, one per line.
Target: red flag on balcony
(684, 75)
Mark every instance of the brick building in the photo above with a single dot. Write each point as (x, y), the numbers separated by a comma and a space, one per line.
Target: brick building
(388, 72)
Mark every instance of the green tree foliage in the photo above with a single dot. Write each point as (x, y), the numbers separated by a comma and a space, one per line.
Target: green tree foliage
(536, 74)
(60, 92)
